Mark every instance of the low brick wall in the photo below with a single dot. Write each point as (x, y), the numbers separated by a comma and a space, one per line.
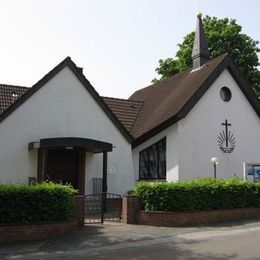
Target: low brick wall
(34, 232)
(181, 219)
(131, 214)
(20, 232)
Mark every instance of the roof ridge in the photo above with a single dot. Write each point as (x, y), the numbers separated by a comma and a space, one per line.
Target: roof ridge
(178, 74)
(136, 117)
(129, 100)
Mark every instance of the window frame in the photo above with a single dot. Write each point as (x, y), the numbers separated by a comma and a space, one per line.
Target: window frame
(148, 150)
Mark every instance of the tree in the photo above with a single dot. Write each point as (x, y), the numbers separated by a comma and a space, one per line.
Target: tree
(223, 35)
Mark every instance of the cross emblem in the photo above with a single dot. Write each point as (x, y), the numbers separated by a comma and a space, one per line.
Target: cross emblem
(226, 124)
(226, 140)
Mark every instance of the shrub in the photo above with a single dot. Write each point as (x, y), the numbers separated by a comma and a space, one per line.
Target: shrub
(46, 202)
(200, 194)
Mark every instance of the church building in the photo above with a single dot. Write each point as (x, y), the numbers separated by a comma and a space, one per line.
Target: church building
(62, 130)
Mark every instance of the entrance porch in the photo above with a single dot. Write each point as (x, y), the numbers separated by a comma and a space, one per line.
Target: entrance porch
(63, 160)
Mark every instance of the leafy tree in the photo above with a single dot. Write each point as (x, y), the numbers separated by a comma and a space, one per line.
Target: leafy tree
(223, 35)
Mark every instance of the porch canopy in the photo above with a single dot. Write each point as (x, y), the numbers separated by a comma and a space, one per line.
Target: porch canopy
(89, 145)
(81, 145)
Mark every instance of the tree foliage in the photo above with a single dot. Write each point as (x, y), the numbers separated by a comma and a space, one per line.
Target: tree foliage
(223, 36)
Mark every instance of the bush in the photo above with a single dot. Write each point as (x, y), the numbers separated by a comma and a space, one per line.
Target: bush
(200, 194)
(46, 202)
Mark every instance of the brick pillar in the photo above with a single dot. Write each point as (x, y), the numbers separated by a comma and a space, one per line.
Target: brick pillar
(80, 210)
(130, 207)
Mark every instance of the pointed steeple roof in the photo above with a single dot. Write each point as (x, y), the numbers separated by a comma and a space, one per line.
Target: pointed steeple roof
(200, 52)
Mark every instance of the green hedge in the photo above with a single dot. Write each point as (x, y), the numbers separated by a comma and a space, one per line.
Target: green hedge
(201, 194)
(46, 202)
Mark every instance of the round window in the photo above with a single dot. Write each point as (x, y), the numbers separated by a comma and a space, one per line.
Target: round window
(225, 94)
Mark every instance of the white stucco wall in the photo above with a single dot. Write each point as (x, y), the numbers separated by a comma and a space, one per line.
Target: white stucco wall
(62, 108)
(192, 142)
(199, 130)
(171, 135)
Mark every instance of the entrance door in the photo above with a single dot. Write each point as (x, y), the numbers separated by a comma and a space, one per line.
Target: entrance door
(63, 167)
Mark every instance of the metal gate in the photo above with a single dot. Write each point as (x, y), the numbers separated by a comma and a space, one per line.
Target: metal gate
(101, 207)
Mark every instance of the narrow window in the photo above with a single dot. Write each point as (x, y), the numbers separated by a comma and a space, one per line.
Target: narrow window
(152, 161)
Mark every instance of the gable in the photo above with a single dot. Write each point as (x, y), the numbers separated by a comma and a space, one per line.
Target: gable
(169, 101)
(201, 131)
(212, 106)
(62, 108)
(79, 75)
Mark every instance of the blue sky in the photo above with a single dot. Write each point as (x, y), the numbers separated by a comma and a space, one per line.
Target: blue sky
(117, 42)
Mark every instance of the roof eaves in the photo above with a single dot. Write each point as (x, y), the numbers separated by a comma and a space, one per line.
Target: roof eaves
(34, 88)
(78, 73)
(157, 129)
(193, 100)
(100, 101)
(244, 86)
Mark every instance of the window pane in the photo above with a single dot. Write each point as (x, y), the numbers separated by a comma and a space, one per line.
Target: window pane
(162, 160)
(152, 161)
(143, 165)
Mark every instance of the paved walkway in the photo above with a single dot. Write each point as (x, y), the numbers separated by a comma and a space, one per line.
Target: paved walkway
(99, 240)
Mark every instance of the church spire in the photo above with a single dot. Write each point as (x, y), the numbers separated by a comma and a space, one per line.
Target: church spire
(200, 52)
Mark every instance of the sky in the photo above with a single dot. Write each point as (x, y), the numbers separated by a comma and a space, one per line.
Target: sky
(117, 42)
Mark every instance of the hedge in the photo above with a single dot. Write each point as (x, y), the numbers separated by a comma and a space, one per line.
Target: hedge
(46, 202)
(200, 194)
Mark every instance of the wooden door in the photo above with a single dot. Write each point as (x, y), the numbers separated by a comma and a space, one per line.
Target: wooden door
(63, 167)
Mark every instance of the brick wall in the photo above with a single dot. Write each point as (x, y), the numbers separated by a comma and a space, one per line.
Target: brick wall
(130, 206)
(34, 232)
(180, 219)
(132, 215)
(79, 210)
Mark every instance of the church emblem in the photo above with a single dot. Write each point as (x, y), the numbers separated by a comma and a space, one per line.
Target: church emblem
(226, 140)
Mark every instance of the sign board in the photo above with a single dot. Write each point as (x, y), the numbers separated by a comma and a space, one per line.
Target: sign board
(251, 171)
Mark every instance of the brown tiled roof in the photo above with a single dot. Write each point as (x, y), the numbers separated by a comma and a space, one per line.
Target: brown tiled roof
(165, 99)
(125, 110)
(9, 94)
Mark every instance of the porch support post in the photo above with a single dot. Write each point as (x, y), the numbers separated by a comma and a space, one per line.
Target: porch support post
(104, 187)
(81, 177)
(104, 184)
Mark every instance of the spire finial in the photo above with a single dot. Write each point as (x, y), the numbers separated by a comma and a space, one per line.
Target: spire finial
(200, 52)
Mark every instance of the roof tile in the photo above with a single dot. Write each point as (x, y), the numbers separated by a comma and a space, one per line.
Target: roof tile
(165, 99)
(125, 110)
(9, 94)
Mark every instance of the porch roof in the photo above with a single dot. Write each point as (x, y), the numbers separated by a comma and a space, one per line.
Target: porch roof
(89, 145)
